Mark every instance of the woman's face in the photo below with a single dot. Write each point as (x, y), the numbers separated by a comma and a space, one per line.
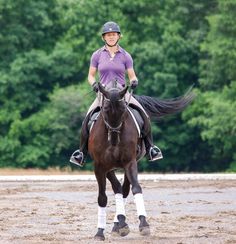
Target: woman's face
(111, 38)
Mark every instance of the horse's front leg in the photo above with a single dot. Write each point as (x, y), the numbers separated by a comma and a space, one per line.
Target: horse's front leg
(120, 226)
(126, 187)
(131, 172)
(102, 203)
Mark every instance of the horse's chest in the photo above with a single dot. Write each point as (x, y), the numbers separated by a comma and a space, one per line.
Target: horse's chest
(118, 155)
(100, 144)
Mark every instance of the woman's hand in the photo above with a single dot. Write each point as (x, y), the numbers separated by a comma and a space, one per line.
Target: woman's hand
(95, 87)
(134, 84)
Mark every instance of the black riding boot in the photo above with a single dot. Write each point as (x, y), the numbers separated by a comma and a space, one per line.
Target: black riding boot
(153, 152)
(78, 157)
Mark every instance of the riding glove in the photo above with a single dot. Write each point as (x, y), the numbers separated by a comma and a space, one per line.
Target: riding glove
(95, 87)
(134, 84)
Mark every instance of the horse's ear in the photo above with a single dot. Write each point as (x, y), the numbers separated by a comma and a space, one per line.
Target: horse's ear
(122, 92)
(103, 90)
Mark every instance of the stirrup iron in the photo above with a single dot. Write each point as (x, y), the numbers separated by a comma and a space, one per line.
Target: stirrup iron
(74, 156)
(158, 156)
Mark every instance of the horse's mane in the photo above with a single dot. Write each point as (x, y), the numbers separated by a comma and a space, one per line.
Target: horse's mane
(159, 108)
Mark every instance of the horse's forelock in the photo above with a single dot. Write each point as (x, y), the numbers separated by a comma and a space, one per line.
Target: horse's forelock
(113, 88)
(114, 95)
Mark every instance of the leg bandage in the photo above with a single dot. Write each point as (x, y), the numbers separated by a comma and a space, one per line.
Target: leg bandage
(120, 205)
(138, 199)
(102, 217)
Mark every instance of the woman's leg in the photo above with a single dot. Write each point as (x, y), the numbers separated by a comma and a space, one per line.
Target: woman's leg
(78, 157)
(152, 151)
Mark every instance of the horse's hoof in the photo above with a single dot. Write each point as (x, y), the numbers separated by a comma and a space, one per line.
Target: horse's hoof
(115, 229)
(124, 231)
(144, 231)
(115, 233)
(99, 238)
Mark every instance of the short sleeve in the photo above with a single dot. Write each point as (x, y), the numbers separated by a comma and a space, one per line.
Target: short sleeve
(94, 59)
(128, 61)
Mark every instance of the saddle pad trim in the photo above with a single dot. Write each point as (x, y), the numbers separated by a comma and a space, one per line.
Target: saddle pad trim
(135, 122)
(93, 121)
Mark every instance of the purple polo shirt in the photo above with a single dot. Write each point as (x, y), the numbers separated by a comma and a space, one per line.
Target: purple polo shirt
(111, 68)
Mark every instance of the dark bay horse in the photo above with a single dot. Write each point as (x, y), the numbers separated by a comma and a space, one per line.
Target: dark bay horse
(113, 144)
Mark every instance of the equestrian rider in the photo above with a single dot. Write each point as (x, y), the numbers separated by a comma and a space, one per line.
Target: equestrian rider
(112, 61)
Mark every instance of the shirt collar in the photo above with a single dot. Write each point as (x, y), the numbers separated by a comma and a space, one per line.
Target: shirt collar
(120, 49)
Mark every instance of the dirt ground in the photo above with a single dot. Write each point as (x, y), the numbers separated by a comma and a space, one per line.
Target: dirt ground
(66, 212)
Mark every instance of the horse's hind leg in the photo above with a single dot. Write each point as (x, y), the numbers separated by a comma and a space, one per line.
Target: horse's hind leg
(102, 203)
(131, 172)
(120, 226)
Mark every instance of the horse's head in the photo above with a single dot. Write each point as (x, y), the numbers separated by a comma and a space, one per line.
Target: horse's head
(114, 93)
(113, 107)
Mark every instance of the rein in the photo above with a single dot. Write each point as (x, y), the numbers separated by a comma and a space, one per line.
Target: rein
(130, 95)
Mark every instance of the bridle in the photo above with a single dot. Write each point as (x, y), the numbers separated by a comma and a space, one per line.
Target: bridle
(112, 129)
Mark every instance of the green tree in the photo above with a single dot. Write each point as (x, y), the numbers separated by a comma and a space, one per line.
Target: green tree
(166, 52)
(215, 112)
(46, 47)
(48, 137)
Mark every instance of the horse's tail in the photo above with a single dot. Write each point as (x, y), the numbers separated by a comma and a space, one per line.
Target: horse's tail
(156, 107)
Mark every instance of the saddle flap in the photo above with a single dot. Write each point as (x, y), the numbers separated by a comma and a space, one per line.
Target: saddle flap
(93, 118)
(137, 118)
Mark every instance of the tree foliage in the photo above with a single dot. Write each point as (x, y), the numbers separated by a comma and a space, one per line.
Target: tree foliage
(46, 47)
(215, 114)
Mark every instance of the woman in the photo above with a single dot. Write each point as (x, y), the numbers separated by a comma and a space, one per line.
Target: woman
(112, 62)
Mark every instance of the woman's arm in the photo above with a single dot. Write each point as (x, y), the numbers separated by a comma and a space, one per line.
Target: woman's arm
(131, 74)
(91, 75)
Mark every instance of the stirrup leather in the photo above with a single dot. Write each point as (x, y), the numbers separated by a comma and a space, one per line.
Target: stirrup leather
(74, 158)
(158, 156)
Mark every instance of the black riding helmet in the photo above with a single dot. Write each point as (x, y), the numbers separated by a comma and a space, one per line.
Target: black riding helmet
(110, 26)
